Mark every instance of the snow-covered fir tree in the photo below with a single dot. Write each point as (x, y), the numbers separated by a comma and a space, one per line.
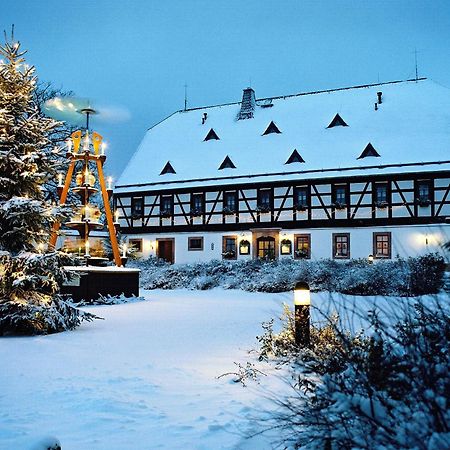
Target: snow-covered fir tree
(30, 278)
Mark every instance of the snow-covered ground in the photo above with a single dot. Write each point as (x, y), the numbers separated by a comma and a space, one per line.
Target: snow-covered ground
(146, 376)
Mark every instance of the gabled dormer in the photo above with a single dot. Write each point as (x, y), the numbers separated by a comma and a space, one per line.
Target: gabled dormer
(211, 135)
(271, 128)
(227, 164)
(369, 151)
(167, 169)
(295, 158)
(337, 121)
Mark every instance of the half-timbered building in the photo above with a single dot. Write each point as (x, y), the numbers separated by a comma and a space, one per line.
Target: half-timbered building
(342, 173)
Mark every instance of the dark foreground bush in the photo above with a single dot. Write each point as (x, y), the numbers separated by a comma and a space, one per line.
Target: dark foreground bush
(400, 277)
(386, 389)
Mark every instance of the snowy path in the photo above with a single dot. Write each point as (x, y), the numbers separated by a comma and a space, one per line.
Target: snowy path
(144, 378)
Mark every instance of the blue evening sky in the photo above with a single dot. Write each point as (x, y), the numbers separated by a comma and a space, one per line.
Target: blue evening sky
(138, 54)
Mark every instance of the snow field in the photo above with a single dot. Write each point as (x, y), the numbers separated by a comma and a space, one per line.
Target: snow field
(146, 376)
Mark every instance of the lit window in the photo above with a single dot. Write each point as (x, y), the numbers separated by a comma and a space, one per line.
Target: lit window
(382, 245)
(135, 245)
(302, 246)
(341, 245)
(266, 247)
(195, 243)
(286, 247)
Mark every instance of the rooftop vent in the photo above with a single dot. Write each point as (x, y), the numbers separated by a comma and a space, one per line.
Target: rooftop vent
(379, 94)
(247, 104)
(338, 121)
(205, 116)
(167, 169)
(295, 158)
(368, 151)
(211, 135)
(272, 128)
(227, 164)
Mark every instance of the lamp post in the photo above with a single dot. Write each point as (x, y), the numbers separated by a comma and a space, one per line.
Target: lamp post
(302, 303)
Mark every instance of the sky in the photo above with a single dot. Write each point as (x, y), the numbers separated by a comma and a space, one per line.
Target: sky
(135, 56)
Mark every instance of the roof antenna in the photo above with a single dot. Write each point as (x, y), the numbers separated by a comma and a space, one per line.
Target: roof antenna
(415, 59)
(185, 96)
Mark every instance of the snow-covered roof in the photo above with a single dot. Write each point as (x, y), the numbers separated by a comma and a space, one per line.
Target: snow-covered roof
(410, 125)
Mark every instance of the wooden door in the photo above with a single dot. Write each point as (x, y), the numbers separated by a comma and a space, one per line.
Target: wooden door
(166, 250)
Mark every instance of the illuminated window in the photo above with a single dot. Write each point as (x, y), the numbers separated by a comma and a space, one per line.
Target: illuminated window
(136, 245)
(341, 245)
(382, 245)
(266, 247)
(302, 246)
(286, 247)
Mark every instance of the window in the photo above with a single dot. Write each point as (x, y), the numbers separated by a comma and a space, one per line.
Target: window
(340, 196)
(382, 245)
(302, 246)
(229, 247)
(301, 195)
(286, 247)
(341, 245)
(197, 204)
(227, 164)
(369, 151)
(166, 206)
(423, 192)
(244, 247)
(381, 195)
(271, 128)
(266, 247)
(211, 135)
(195, 243)
(135, 245)
(295, 158)
(337, 121)
(167, 169)
(137, 207)
(229, 202)
(264, 200)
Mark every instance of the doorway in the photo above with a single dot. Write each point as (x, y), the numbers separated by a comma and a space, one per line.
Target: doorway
(266, 247)
(165, 249)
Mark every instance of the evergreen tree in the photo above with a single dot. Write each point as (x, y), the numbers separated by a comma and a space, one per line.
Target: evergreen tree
(30, 279)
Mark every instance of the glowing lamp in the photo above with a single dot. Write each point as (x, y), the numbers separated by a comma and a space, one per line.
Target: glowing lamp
(370, 259)
(60, 178)
(109, 183)
(302, 294)
(116, 215)
(124, 252)
(302, 302)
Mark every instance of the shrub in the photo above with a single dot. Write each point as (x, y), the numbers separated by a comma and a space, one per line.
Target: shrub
(386, 390)
(400, 277)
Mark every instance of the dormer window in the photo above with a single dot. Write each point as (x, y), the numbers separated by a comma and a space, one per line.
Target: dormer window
(295, 158)
(369, 151)
(337, 121)
(272, 128)
(227, 164)
(211, 135)
(167, 169)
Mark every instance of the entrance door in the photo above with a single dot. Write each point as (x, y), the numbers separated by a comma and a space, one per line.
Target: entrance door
(266, 247)
(166, 249)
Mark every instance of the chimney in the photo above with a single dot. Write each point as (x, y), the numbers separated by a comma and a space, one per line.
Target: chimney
(379, 94)
(376, 106)
(247, 105)
(205, 116)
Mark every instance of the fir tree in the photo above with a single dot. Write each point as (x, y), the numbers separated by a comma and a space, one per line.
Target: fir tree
(29, 278)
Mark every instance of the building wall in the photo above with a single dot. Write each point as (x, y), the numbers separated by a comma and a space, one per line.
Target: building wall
(406, 241)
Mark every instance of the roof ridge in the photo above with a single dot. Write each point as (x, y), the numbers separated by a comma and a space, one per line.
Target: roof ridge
(323, 91)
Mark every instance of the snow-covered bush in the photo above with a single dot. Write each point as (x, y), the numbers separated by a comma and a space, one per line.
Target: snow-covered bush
(387, 389)
(400, 277)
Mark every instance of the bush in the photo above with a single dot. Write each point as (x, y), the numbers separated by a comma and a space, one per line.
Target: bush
(400, 277)
(386, 390)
